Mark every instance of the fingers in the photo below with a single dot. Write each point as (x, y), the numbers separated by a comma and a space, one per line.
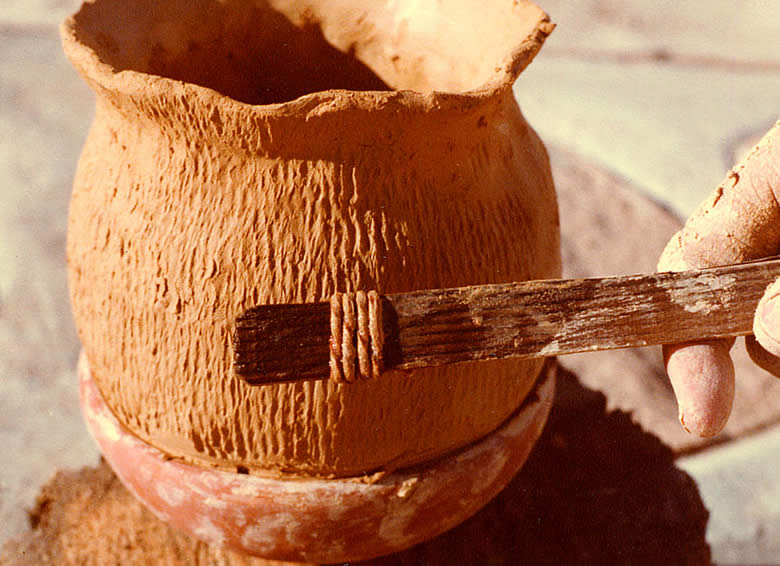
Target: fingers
(702, 374)
(763, 359)
(741, 218)
(766, 323)
(702, 377)
(738, 222)
(764, 346)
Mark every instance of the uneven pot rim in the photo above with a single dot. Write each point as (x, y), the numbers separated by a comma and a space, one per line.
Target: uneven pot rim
(141, 88)
(314, 519)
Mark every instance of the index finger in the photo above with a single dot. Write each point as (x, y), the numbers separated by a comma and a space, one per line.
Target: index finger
(740, 221)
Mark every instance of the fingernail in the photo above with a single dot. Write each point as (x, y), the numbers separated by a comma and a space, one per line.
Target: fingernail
(682, 422)
(704, 427)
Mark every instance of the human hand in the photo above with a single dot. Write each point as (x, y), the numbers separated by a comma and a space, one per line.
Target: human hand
(740, 221)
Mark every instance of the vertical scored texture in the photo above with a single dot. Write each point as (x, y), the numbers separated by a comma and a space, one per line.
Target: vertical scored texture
(169, 377)
(189, 207)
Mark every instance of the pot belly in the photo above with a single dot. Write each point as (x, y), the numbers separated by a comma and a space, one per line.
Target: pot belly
(167, 245)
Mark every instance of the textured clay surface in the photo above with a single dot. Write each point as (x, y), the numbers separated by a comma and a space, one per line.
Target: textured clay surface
(191, 204)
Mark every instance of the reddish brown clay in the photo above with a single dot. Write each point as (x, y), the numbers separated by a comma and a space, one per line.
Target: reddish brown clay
(313, 519)
(225, 169)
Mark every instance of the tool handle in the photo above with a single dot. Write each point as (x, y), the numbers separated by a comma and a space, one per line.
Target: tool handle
(531, 319)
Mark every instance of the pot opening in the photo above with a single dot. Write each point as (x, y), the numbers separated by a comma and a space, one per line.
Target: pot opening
(248, 52)
(271, 51)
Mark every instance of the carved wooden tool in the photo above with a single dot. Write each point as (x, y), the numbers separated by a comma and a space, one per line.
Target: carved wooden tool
(293, 342)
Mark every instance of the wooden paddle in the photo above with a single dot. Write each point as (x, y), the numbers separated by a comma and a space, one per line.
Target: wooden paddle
(292, 342)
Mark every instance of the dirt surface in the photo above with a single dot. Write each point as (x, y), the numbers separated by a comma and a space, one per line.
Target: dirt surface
(596, 490)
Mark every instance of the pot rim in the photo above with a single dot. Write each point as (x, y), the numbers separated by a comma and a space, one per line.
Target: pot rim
(137, 86)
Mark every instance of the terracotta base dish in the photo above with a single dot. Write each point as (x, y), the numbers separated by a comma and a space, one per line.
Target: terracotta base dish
(318, 520)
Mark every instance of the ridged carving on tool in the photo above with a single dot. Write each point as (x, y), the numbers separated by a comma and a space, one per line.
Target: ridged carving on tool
(356, 336)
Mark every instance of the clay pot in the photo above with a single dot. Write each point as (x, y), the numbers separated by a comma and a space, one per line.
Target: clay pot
(246, 153)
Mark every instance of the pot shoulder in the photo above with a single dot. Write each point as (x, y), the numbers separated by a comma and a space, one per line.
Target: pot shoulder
(169, 240)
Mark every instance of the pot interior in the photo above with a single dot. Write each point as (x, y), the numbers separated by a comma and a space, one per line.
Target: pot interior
(271, 51)
(248, 52)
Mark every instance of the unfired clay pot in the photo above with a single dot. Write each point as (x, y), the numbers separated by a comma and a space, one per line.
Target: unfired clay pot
(251, 152)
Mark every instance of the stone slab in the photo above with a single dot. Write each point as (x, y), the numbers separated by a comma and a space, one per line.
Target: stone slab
(740, 484)
(716, 32)
(670, 129)
(44, 114)
(36, 13)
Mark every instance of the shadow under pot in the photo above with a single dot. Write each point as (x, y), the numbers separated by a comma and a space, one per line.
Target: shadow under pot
(249, 153)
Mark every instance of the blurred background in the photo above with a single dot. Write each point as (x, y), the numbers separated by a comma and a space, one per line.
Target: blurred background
(663, 96)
